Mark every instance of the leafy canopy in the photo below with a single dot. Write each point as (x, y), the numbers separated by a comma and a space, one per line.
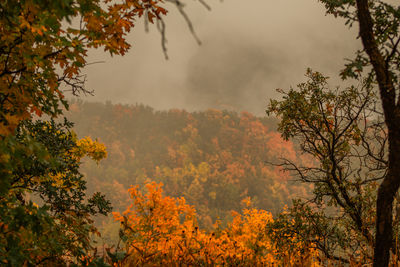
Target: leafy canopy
(44, 44)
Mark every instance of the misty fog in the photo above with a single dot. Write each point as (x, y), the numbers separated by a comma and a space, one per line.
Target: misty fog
(248, 50)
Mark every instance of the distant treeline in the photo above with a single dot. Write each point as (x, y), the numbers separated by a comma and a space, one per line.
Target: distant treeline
(213, 158)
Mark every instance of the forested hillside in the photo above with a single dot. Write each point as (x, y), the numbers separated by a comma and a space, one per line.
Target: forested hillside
(204, 188)
(213, 158)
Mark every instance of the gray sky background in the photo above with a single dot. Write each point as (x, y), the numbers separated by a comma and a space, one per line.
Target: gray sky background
(249, 49)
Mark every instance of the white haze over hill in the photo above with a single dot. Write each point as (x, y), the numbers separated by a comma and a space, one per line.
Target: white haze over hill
(249, 49)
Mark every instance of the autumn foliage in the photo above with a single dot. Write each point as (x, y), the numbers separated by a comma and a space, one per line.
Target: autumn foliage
(46, 217)
(43, 50)
(163, 231)
(213, 158)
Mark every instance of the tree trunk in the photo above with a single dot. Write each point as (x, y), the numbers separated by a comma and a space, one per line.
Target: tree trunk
(391, 183)
(384, 206)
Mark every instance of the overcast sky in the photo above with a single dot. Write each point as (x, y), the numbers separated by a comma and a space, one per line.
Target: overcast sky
(250, 48)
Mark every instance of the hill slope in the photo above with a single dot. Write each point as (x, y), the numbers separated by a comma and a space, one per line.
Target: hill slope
(213, 158)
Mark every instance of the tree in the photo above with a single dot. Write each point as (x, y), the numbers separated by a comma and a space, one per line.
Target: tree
(379, 31)
(44, 45)
(45, 213)
(159, 230)
(340, 131)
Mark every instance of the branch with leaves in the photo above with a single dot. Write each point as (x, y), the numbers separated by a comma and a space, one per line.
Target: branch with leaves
(341, 130)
